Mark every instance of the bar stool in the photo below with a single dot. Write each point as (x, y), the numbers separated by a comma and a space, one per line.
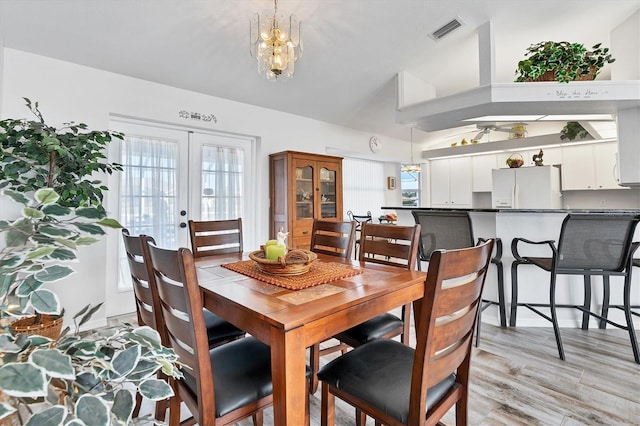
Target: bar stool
(359, 220)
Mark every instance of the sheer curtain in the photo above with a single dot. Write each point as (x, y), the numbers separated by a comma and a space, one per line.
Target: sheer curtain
(363, 186)
(148, 189)
(222, 182)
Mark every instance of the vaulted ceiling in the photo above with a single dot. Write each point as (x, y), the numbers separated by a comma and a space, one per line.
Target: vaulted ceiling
(352, 48)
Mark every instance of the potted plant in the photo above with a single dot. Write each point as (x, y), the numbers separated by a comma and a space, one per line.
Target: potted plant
(573, 130)
(67, 379)
(562, 61)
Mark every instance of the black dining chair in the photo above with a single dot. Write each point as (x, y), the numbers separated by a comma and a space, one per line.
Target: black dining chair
(589, 244)
(359, 220)
(398, 385)
(454, 230)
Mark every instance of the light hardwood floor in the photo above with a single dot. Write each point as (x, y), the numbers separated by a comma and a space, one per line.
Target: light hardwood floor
(518, 379)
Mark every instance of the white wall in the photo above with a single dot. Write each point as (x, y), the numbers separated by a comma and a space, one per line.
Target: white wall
(69, 92)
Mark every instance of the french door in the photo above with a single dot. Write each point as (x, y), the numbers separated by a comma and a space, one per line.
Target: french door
(172, 175)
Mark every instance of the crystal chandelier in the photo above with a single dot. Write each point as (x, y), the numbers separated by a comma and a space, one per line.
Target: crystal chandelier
(276, 44)
(412, 167)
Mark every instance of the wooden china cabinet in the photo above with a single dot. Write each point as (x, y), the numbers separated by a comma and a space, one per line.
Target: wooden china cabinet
(303, 187)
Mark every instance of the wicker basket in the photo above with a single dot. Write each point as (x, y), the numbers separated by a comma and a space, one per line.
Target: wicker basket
(46, 326)
(550, 76)
(515, 161)
(296, 262)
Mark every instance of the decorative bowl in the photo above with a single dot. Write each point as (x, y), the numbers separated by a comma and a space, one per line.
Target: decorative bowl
(515, 161)
(295, 262)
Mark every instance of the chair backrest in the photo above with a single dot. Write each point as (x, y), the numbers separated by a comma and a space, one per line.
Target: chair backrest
(596, 242)
(445, 321)
(184, 326)
(359, 219)
(144, 285)
(389, 244)
(443, 230)
(333, 238)
(214, 237)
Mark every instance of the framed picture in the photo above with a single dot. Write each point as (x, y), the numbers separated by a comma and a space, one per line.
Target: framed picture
(391, 182)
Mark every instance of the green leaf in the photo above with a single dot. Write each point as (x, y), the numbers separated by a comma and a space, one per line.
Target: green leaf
(92, 410)
(16, 196)
(28, 286)
(40, 252)
(54, 273)
(67, 243)
(19, 233)
(155, 389)
(6, 280)
(90, 228)
(75, 422)
(110, 223)
(122, 407)
(149, 335)
(23, 380)
(32, 213)
(90, 212)
(8, 345)
(54, 231)
(54, 363)
(86, 317)
(144, 369)
(46, 196)
(86, 241)
(45, 301)
(56, 210)
(63, 254)
(53, 416)
(124, 362)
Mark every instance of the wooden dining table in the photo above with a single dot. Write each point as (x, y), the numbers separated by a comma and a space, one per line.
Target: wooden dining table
(289, 321)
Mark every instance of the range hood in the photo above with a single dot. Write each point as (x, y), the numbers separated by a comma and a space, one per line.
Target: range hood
(621, 99)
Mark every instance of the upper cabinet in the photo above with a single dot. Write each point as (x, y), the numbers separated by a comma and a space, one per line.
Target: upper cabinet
(590, 167)
(303, 187)
(481, 167)
(451, 183)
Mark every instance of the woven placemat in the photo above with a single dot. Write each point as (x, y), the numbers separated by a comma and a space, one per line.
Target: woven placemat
(320, 273)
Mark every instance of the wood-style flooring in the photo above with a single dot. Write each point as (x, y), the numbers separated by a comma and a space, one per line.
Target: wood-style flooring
(518, 379)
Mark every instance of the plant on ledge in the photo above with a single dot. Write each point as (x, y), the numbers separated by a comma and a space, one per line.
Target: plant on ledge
(562, 61)
(573, 130)
(67, 379)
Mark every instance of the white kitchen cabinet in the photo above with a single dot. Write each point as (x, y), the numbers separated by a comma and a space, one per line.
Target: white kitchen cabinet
(451, 183)
(481, 166)
(590, 166)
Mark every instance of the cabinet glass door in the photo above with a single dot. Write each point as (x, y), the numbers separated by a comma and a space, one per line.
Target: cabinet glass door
(304, 192)
(328, 193)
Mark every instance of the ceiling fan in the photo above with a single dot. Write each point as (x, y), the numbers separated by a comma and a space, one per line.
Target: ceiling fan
(516, 130)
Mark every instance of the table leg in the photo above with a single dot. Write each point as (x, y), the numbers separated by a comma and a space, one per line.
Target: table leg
(288, 369)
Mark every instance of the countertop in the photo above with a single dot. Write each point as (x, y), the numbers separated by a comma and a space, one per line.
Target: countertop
(595, 211)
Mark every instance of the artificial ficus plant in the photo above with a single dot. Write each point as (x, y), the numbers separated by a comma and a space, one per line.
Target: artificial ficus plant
(76, 379)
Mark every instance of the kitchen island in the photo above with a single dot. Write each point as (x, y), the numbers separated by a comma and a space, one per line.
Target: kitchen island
(533, 283)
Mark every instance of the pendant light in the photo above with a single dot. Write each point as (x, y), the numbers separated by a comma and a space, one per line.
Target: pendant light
(411, 167)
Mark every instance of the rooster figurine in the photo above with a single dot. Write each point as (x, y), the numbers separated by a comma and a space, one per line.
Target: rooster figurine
(537, 158)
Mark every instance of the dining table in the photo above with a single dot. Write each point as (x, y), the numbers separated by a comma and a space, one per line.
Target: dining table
(289, 319)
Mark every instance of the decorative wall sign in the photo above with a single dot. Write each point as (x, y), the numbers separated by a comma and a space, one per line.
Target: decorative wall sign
(187, 115)
(391, 182)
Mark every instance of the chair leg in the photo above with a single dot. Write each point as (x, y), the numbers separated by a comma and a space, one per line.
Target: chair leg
(501, 302)
(514, 294)
(161, 409)
(605, 301)
(478, 322)
(554, 316)
(174, 411)
(136, 409)
(361, 418)
(258, 418)
(314, 358)
(586, 304)
(328, 407)
(406, 319)
(629, 318)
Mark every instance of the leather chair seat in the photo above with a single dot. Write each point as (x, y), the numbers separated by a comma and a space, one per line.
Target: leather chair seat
(219, 330)
(375, 328)
(232, 364)
(379, 373)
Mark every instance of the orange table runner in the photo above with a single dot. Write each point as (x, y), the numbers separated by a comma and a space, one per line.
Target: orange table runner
(319, 273)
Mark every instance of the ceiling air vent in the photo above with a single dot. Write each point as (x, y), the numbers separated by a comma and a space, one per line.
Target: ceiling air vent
(446, 29)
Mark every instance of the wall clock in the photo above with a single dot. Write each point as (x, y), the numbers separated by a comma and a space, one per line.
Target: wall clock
(374, 144)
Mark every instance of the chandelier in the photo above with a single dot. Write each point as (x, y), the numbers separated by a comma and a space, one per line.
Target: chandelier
(412, 167)
(275, 43)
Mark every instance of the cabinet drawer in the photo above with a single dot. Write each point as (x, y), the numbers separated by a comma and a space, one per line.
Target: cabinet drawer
(302, 228)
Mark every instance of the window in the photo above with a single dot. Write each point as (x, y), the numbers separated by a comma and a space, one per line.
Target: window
(410, 187)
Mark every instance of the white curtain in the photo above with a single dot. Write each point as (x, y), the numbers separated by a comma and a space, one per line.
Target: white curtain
(148, 190)
(222, 183)
(363, 184)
